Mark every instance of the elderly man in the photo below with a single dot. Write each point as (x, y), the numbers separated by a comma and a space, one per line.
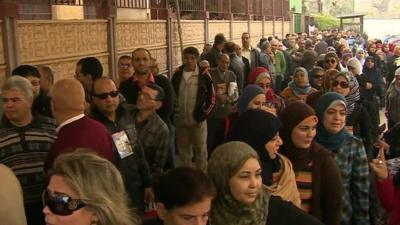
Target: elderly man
(226, 88)
(118, 119)
(76, 130)
(25, 140)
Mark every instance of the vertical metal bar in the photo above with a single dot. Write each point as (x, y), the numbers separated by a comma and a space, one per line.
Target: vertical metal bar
(10, 43)
(206, 29)
(273, 18)
(169, 43)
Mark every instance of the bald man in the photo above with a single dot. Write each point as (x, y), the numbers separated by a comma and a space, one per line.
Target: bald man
(76, 130)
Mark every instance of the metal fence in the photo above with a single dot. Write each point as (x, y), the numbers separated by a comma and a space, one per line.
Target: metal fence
(190, 9)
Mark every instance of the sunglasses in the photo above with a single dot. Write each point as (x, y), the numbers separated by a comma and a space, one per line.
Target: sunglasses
(61, 205)
(332, 61)
(113, 94)
(342, 84)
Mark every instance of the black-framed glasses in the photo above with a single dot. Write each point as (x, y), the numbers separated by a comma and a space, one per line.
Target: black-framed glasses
(148, 97)
(113, 94)
(61, 204)
(342, 84)
(318, 77)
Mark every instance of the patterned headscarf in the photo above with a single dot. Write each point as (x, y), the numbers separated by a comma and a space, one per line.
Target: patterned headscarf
(225, 161)
(354, 94)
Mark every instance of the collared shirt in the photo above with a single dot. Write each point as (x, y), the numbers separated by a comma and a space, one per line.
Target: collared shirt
(246, 52)
(352, 161)
(153, 138)
(70, 120)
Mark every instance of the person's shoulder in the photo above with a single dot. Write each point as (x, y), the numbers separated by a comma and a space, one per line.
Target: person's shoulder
(127, 83)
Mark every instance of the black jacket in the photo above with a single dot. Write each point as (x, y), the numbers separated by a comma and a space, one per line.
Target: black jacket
(205, 94)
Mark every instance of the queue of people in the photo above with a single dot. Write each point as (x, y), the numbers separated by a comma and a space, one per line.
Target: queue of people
(287, 132)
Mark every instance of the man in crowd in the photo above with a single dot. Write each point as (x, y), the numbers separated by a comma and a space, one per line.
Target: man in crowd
(25, 140)
(212, 55)
(76, 130)
(226, 92)
(279, 64)
(125, 68)
(249, 52)
(194, 91)
(119, 120)
(183, 204)
(41, 102)
(46, 78)
(87, 71)
(236, 64)
(141, 60)
(153, 134)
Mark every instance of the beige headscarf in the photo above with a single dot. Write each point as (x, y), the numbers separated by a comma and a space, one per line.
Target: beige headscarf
(11, 200)
(286, 187)
(225, 161)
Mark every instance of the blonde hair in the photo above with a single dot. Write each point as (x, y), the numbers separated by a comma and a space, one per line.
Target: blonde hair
(98, 184)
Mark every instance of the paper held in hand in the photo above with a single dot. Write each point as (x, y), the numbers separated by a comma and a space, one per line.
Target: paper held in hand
(122, 143)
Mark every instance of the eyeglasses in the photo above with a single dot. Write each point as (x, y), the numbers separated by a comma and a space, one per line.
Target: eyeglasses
(124, 66)
(342, 84)
(113, 94)
(61, 204)
(332, 61)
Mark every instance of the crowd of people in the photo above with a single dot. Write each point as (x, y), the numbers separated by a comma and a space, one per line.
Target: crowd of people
(285, 132)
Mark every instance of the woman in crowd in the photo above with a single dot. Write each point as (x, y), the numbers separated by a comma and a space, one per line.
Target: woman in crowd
(343, 62)
(360, 55)
(329, 76)
(317, 75)
(253, 97)
(12, 202)
(260, 130)
(372, 52)
(261, 77)
(358, 119)
(317, 175)
(349, 154)
(299, 87)
(374, 76)
(393, 100)
(331, 61)
(388, 187)
(86, 189)
(241, 199)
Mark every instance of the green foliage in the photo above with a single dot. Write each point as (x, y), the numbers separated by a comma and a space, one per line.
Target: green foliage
(326, 22)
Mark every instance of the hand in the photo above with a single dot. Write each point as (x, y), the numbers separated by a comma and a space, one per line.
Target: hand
(148, 195)
(368, 86)
(382, 144)
(271, 110)
(378, 165)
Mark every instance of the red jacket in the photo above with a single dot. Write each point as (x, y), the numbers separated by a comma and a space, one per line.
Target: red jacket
(390, 198)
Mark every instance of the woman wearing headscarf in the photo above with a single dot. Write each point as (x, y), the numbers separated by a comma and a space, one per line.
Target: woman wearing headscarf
(329, 76)
(261, 77)
(299, 87)
(260, 130)
(241, 198)
(317, 174)
(349, 154)
(358, 119)
(375, 78)
(331, 61)
(317, 75)
(393, 100)
(253, 97)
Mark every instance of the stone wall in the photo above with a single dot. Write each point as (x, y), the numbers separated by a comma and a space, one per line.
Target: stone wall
(60, 44)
